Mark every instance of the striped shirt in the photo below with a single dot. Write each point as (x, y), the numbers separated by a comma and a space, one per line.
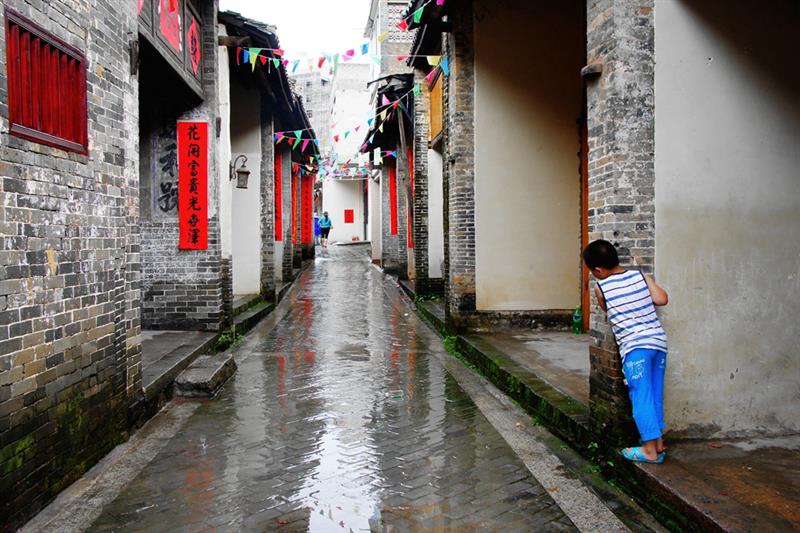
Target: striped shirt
(632, 313)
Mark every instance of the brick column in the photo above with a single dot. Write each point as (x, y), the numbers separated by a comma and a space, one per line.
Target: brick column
(459, 169)
(621, 176)
(420, 230)
(297, 253)
(267, 192)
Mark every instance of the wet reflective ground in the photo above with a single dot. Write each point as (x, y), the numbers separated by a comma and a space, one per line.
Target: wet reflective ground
(338, 419)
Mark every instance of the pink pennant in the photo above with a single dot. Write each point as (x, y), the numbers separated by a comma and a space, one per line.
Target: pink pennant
(350, 52)
(402, 58)
(385, 101)
(285, 62)
(305, 143)
(429, 77)
(358, 128)
(278, 52)
(439, 2)
(394, 105)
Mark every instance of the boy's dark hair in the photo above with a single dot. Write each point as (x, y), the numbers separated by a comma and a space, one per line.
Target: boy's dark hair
(601, 254)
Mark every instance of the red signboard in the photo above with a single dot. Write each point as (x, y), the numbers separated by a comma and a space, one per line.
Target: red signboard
(308, 209)
(392, 196)
(193, 185)
(294, 204)
(349, 216)
(410, 206)
(278, 196)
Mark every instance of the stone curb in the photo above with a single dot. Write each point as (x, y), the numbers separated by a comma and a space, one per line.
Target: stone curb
(569, 420)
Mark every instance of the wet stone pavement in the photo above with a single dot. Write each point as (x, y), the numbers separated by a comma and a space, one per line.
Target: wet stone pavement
(340, 418)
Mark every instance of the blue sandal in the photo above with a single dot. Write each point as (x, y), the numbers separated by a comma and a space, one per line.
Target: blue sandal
(637, 456)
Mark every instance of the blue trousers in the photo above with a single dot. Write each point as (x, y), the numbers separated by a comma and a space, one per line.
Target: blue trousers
(644, 372)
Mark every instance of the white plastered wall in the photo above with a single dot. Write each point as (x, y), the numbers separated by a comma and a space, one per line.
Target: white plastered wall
(225, 198)
(435, 215)
(374, 225)
(728, 213)
(338, 195)
(246, 215)
(528, 56)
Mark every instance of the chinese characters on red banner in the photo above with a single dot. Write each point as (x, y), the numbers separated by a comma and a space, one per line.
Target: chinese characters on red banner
(193, 185)
(170, 17)
(307, 188)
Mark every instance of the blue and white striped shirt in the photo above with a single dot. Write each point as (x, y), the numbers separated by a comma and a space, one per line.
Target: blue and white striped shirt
(632, 313)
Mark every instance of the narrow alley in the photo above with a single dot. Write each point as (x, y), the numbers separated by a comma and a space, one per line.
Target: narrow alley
(341, 417)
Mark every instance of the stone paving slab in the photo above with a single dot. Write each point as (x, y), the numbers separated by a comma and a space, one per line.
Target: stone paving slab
(338, 419)
(205, 377)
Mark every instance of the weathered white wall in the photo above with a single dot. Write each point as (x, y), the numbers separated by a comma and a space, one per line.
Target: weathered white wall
(527, 185)
(246, 214)
(225, 198)
(374, 225)
(435, 215)
(338, 195)
(728, 213)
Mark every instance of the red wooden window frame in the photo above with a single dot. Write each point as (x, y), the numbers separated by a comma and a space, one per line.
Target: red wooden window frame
(278, 196)
(46, 86)
(349, 216)
(392, 196)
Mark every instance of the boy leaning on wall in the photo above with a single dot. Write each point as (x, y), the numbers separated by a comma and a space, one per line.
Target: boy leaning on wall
(629, 299)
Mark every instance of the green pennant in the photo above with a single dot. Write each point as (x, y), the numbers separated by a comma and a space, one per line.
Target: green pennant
(418, 14)
(417, 89)
(276, 62)
(254, 53)
(296, 143)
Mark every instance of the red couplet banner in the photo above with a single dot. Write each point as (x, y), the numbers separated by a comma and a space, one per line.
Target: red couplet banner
(193, 185)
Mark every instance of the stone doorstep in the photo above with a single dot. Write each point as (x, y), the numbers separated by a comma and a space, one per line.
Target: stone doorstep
(677, 497)
(247, 320)
(162, 382)
(242, 303)
(205, 376)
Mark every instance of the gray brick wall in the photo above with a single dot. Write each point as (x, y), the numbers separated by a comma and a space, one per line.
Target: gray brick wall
(621, 106)
(69, 354)
(459, 169)
(420, 229)
(268, 281)
(182, 289)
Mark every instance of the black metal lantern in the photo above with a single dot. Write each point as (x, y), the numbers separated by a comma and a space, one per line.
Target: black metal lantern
(242, 174)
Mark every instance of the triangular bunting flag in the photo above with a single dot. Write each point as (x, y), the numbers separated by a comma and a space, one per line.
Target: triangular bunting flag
(375, 58)
(403, 25)
(394, 105)
(254, 52)
(305, 143)
(321, 62)
(383, 115)
(418, 14)
(370, 121)
(238, 61)
(295, 65)
(276, 62)
(298, 133)
(445, 67)
(346, 134)
(429, 77)
(316, 141)
(358, 128)
(364, 49)
(336, 138)
(278, 52)
(245, 56)
(402, 58)
(417, 89)
(382, 37)
(385, 101)
(434, 60)
(439, 2)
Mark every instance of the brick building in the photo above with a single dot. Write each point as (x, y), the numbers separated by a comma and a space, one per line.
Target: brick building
(92, 100)
(663, 127)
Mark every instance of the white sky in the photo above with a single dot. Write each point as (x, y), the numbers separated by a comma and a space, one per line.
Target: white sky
(306, 28)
